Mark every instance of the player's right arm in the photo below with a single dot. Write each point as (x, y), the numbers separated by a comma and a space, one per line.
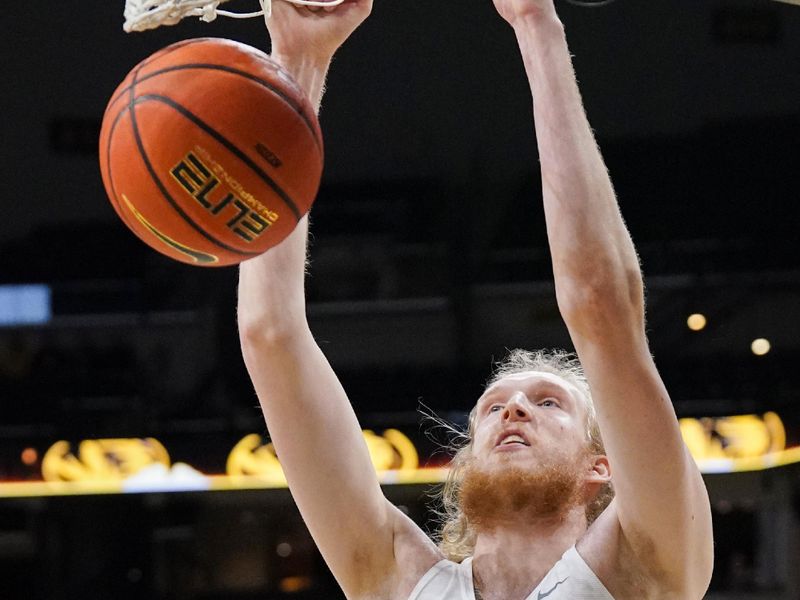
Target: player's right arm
(309, 417)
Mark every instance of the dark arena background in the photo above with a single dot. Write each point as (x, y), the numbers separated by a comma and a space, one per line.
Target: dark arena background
(134, 462)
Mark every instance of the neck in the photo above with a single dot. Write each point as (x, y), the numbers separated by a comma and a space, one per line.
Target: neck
(512, 558)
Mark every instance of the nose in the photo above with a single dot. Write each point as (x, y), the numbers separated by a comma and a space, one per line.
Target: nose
(517, 408)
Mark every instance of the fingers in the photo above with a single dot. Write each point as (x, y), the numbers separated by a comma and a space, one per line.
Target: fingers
(285, 7)
(300, 8)
(314, 9)
(345, 5)
(335, 16)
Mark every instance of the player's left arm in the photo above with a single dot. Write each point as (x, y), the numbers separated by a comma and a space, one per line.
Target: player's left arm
(661, 501)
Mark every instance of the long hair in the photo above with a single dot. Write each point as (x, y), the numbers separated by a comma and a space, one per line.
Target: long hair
(457, 536)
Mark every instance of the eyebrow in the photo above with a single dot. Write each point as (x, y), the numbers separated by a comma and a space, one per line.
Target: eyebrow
(556, 390)
(483, 399)
(543, 387)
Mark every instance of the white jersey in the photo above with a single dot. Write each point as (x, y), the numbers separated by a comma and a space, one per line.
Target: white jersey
(569, 579)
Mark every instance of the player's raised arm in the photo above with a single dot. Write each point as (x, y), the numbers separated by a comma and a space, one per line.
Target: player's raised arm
(308, 415)
(661, 506)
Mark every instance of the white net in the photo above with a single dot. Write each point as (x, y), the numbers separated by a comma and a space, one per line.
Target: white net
(149, 14)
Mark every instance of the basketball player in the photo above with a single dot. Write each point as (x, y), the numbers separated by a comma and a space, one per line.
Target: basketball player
(528, 481)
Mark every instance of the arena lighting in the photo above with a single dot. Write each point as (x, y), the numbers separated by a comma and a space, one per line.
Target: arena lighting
(731, 444)
(25, 304)
(760, 346)
(696, 321)
(294, 584)
(29, 456)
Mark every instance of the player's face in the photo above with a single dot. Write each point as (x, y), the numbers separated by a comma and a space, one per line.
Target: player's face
(529, 418)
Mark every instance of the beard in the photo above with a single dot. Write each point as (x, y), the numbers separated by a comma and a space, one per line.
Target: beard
(498, 496)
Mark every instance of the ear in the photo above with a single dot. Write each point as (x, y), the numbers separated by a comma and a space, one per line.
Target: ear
(599, 470)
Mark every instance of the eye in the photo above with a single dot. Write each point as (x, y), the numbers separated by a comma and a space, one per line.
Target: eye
(495, 408)
(548, 402)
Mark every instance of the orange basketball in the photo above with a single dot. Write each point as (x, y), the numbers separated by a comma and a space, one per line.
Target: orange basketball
(210, 152)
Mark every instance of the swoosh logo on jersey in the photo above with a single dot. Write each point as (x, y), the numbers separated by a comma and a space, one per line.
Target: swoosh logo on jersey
(552, 589)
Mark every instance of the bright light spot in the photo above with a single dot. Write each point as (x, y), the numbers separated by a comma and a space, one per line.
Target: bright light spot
(760, 346)
(291, 585)
(284, 549)
(29, 456)
(696, 321)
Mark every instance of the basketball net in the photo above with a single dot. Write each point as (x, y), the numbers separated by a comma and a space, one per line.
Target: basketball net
(149, 14)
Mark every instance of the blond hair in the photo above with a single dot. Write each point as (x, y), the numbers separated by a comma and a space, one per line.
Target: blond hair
(457, 536)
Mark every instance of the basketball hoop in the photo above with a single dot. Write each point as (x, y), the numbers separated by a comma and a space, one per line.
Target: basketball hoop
(141, 15)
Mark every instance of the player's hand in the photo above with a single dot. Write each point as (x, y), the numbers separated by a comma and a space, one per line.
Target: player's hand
(516, 11)
(314, 33)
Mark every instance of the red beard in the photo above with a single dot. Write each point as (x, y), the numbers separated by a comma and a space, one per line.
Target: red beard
(490, 498)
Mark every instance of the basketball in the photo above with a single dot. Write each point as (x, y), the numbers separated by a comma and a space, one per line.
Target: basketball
(210, 152)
